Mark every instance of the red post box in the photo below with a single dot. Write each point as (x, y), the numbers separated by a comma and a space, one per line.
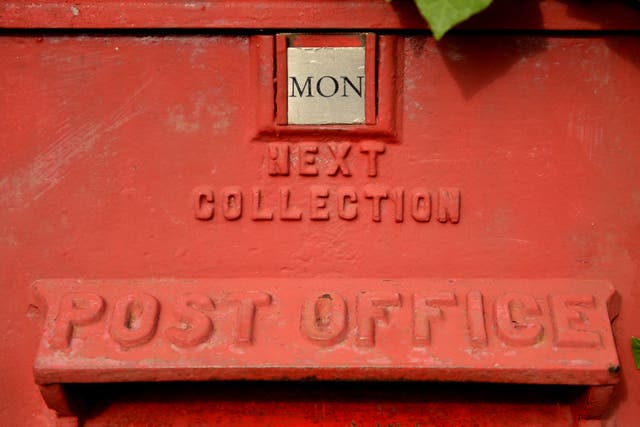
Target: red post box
(312, 213)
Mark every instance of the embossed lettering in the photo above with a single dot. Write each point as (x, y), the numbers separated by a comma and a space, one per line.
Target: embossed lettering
(257, 212)
(513, 318)
(203, 202)
(421, 205)
(449, 205)
(196, 327)
(518, 327)
(347, 198)
(288, 212)
(475, 319)
(570, 321)
(372, 308)
(372, 149)
(376, 193)
(324, 319)
(426, 308)
(397, 195)
(339, 151)
(278, 159)
(231, 203)
(247, 305)
(134, 319)
(307, 159)
(318, 206)
(76, 309)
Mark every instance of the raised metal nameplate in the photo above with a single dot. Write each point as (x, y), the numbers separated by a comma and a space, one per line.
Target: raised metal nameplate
(527, 331)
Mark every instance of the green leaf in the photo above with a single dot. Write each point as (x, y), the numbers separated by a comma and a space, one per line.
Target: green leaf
(635, 349)
(444, 14)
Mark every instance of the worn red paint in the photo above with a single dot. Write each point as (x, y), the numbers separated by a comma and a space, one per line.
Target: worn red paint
(537, 331)
(533, 331)
(349, 14)
(508, 155)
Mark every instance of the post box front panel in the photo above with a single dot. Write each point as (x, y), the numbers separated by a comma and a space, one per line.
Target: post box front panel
(135, 157)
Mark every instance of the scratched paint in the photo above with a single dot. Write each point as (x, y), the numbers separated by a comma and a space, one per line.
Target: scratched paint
(545, 192)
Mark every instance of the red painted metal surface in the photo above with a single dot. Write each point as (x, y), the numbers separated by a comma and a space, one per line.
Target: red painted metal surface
(516, 331)
(331, 14)
(131, 157)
